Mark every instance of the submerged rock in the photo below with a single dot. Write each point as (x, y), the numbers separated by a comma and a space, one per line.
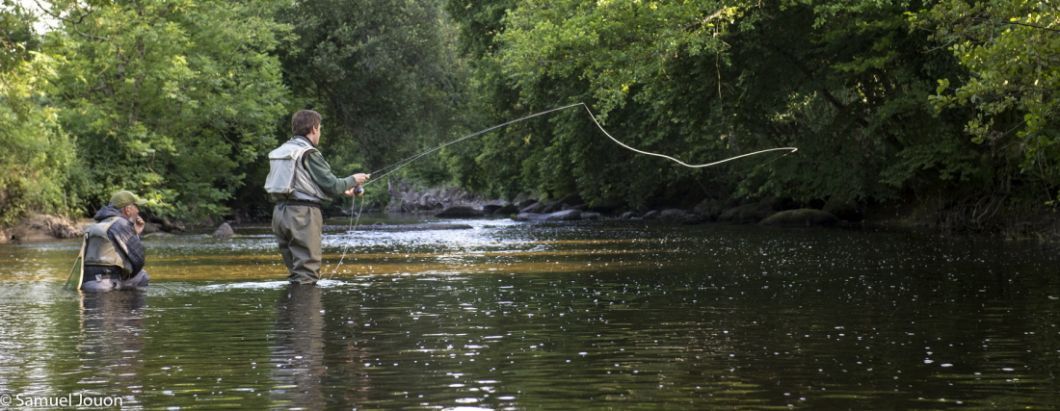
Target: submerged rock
(565, 215)
(224, 231)
(802, 217)
(528, 217)
(399, 228)
(747, 213)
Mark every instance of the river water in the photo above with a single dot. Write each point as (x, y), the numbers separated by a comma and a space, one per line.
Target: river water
(509, 315)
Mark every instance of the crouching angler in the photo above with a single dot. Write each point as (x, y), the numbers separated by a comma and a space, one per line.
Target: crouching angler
(114, 255)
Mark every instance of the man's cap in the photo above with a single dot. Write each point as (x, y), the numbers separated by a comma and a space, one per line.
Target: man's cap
(123, 198)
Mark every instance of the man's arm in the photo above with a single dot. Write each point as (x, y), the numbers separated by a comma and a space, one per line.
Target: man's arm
(128, 244)
(320, 172)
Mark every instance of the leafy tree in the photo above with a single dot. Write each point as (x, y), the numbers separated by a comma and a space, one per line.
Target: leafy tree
(1007, 96)
(38, 154)
(848, 82)
(384, 74)
(171, 99)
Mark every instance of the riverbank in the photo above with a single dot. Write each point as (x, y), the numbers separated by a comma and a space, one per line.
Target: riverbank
(42, 227)
(455, 203)
(1014, 223)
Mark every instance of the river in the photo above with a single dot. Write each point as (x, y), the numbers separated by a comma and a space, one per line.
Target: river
(588, 315)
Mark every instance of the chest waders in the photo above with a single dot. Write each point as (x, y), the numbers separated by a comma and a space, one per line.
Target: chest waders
(101, 251)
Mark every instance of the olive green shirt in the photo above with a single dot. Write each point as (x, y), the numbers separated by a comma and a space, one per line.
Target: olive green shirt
(320, 172)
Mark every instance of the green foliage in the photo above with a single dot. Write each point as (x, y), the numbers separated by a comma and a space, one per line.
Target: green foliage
(37, 153)
(385, 76)
(852, 84)
(170, 99)
(887, 100)
(1008, 96)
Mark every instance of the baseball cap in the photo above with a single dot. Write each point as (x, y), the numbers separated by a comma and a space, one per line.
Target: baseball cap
(123, 198)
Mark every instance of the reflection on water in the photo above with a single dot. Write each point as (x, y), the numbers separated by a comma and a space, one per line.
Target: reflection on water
(298, 348)
(508, 315)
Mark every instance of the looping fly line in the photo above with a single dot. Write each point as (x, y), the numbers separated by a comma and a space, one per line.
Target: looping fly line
(401, 164)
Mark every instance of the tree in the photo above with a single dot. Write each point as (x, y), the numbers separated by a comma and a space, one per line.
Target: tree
(1007, 96)
(385, 76)
(38, 154)
(170, 99)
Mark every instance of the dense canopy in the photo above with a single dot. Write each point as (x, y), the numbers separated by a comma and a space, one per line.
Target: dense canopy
(946, 110)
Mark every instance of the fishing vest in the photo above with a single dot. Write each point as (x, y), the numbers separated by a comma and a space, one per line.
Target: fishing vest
(289, 177)
(99, 249)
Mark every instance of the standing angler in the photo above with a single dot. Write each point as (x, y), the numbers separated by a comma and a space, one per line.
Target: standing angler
(299, 182)
(114, 255)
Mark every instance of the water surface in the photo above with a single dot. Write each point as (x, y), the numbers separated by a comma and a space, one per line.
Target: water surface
(521, 316)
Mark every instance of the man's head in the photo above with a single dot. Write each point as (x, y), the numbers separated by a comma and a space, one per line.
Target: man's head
(306, 123)
(127, 202)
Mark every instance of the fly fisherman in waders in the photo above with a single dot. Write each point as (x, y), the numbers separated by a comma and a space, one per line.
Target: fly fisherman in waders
(300, 181)
(114, 255)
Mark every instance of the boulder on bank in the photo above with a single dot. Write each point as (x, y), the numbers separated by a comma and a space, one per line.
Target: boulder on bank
(801, 217)
(709, 208)
(459, 212)
(552, 206)
(521, 204)
(408, 198)
(168, 225)
(844, 210)
(747, 213)
(629, 215)
(535, 207)
(42, 227)
(506, 210)
(150, 228)
(491, 208)
(676, 215)
(224, 231)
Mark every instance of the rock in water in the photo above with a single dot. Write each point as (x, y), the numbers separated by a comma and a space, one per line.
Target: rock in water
(459, 212)
(676, 215)
(565, 215)
(528, 217)
(507, 210)
(747, 213)
(802, 217)
(225, 231)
